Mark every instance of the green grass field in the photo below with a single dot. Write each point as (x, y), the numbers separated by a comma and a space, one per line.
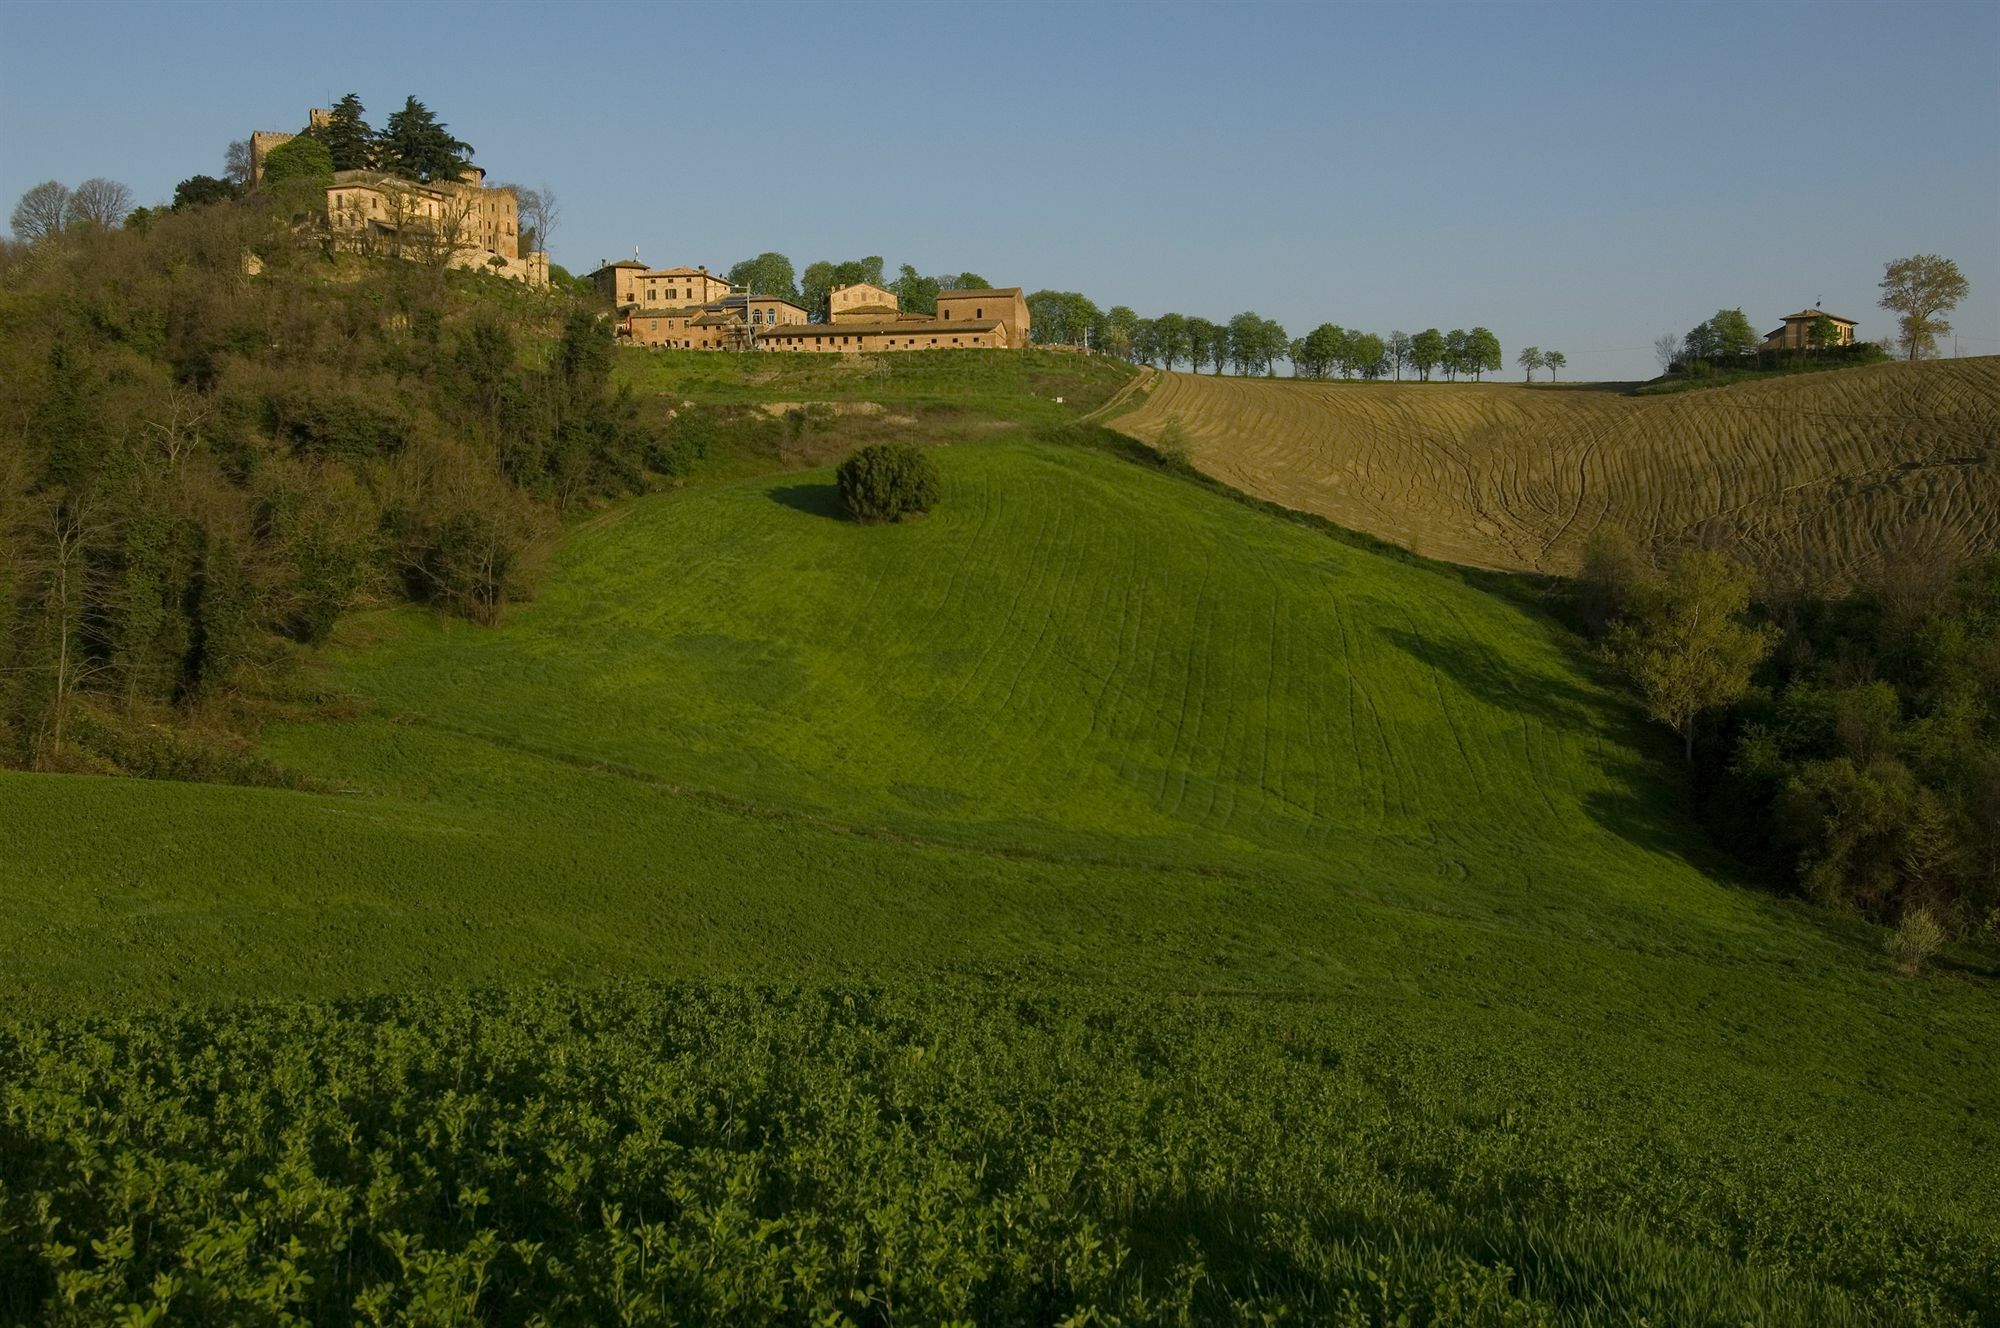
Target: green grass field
(1303, 929)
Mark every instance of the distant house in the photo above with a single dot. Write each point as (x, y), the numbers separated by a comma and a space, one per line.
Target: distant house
(1796, 334)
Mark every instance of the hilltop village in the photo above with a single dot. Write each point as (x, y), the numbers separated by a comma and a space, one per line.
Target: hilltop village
(689, 308)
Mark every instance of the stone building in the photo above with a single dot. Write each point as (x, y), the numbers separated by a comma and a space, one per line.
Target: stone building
(688, 308)
(917, 333)
(862, 303)
(1005, 303)
(1795, 333)
(461, 223)
(735, 322)
(629, 281)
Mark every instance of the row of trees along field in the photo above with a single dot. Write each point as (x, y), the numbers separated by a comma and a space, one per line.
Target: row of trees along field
(211, 466)
(1847, 743)
(1252, 344)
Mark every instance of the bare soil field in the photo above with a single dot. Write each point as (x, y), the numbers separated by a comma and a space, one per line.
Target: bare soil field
(1811, 477)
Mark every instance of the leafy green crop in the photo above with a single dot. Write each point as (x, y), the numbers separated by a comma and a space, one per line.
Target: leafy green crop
(660, 1154)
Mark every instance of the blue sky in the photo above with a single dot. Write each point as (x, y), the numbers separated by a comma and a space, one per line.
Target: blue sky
(1581, 177)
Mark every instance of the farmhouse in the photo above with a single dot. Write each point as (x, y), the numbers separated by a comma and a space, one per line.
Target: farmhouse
(1796, 331)
(733, 322)
(689, 308)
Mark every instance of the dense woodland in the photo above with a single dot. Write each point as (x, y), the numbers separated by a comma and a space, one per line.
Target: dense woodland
(1847, 743)
(204, 468)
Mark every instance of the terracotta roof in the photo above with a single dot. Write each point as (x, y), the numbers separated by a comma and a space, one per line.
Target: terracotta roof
(903, 329)
(859, 285)
(1808, 315)
(867, 309)
(997, 292)
(682, 272)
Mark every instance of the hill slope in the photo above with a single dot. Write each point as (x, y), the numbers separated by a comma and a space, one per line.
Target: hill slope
(1810, 475)
(1199, 902)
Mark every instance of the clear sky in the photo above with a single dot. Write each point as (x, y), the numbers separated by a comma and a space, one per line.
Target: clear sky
(1580, 177)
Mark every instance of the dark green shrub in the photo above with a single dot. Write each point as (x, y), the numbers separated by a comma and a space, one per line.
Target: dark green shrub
(887, 482)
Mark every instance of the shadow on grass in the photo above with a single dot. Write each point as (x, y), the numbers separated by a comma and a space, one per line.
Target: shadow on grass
(812, 499)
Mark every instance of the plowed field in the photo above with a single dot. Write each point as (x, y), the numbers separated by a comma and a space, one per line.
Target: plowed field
(1811, 476)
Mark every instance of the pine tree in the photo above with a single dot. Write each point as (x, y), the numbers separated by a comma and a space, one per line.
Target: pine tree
(347, 136)
(414, 145)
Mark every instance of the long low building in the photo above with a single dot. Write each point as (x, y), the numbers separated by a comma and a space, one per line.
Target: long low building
(906, 334)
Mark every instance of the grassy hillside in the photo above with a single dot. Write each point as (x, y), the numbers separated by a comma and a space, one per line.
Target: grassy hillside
(1098, 896)
(1808, 476)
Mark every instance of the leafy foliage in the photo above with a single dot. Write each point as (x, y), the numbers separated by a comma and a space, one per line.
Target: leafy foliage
(302, 159)
(416, 145)
(862, 1156)
(888, 482)
(1683, 642)
(212, 466)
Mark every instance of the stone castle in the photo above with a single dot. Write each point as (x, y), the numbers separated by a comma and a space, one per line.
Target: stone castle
(461, 223)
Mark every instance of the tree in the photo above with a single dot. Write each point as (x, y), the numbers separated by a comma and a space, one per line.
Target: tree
(540, 214)
(1201, 335)
(888, 482)
(1726, 336)
(1683, 643)
(417, 146)
(100, 202)
(1218, 346)
(1255, 343)
(1553, 360)
(1146, 341)
(201, 190)
(1921, 289)
(1531, 360)
(1824, 333)
(298, 159)
(1367, 354)
(1456, 355)
(1482, 353)
(914, 292)
(1121, 327)
(1399, 352)
(42, 212)
(769, 273)
(1427, 352)
(1170, 335)
(967, 281)
(236, 163)
(1667, 351)
(349, 140)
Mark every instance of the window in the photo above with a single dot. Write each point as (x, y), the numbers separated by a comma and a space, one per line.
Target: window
(979, 313)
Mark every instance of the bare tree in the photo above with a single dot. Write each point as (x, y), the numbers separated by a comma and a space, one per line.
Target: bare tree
(1667, 349)
(436, 240)
(539, 215)
(236, 166)
(65, 594)
(101, 202)
(180, 431)
(43, 211)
